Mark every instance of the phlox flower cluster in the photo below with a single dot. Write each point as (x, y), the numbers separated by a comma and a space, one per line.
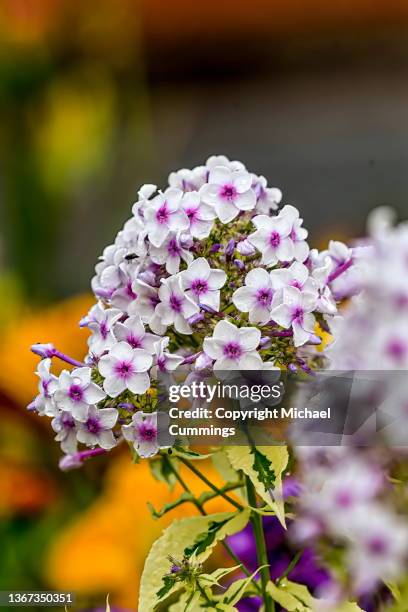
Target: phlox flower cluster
(348, 500)
(212, 271)
(346, 503)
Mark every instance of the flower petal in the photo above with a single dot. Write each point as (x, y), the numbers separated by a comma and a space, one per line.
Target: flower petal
(139, 383)
(249, 338)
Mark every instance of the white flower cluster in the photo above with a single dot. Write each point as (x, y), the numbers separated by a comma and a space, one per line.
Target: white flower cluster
(342, 498)
(374, 333)
(207, 272)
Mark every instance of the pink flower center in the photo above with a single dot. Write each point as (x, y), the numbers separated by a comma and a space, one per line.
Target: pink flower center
(232, 350)
(228, 192)
(274, 239)
(147, 432)
(175, 302)
(192, 214)
(377, 546)
(199, 286)
(134, 341)
(76, 393)
(264, 297)
(298, 315)
(104, 329)
(162, 215)
(93, 425)
(67, 421)
(344, 499)
(396, 350)
(173, 248)
(124, 369)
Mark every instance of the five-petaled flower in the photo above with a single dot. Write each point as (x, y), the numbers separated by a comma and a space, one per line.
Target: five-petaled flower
(125, 368)
(257, 296)
(202, 283)
(133, 332)
(295, 312)
(175, 306)
(234, 348)
(276, 238)
(164, 215)
(96, 428)
(229, 191)
(142, 433)
(76, 392)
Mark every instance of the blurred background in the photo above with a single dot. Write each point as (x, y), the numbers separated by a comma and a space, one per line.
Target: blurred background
(99, 97)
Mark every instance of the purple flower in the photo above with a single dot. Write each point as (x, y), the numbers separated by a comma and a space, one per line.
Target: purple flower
(229, 191)
(203, 283)
(165, 215)
(256, 297)
(125, 368)
(234, 348)
(96, 429)
(76, 392)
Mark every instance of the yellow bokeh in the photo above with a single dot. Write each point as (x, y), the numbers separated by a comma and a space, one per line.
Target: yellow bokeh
(57, 324)
(104, 549)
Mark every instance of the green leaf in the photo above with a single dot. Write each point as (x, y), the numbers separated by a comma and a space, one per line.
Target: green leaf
(216, 531)
(264, 465)
(161, 470)
(168, 584)
(238, 589)
(178, 536)
(284, 596)
(214, 578)
(295, 597)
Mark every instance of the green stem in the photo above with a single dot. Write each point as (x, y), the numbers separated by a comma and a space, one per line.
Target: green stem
(290, 567)
(200, 508)
(210, 484)
(262, 556)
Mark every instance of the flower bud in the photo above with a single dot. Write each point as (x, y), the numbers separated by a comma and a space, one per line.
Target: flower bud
(244, 247)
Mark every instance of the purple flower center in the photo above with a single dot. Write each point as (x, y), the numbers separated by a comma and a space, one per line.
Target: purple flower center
(396, 349)
(67, 421)
(104, 329)
(228, 192)
(199, 286)
(192, 214)
(344, 499)
(175, 302)
(93, 425)
(298, 314)
(296, 284)
(134, 341)
(377, 546)
(124, 369)
(76, 393)
(147, 432)
(173, 248)
(264, 297)
(274, 239)
(232, 350)
(162, 215)
(154, 300)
